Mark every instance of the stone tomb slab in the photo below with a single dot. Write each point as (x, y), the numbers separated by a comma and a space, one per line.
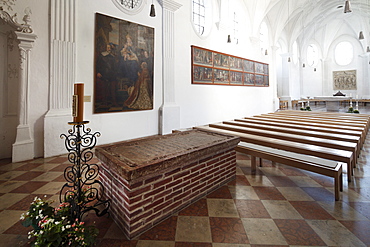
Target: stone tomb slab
(149, 179)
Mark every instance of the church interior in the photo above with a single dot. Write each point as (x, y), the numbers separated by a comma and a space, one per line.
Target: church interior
(226, 123)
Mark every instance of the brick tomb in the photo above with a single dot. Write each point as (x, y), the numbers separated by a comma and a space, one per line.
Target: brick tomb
(149, 179)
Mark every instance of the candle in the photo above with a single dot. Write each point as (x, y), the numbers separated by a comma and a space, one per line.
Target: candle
(356, 96)
(350, 95)
(78, 103)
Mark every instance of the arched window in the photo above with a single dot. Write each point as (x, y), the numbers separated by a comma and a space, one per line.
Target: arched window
(312, 55)
(199, 16)
(343, 53)
(236, 28)
(264, 36)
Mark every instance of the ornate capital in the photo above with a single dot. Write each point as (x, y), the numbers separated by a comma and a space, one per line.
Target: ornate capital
(169, 5)
(12, 21)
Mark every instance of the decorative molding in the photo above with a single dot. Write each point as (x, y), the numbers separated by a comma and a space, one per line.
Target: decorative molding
(169, 5)
(10, 40)
(8, 3)
(12, 21)
(12, 71)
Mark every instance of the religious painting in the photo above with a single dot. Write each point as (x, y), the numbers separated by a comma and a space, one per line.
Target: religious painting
(236, 78)
(202, 74)
(202, 57)
(236, 63)
(124, 62)
(221, 76)
(249, 79)
(248, 66)
(259, 80)
(344, 80)
(216, 68)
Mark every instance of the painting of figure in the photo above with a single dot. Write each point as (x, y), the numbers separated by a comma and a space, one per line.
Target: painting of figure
(124, 65)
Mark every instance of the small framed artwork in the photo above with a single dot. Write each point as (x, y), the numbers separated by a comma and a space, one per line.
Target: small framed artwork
(202, 57)
(236, 63)
(248, 66)
(236, 78)
(220, 76)
(248, 79)
(259, 80)
(202, 74)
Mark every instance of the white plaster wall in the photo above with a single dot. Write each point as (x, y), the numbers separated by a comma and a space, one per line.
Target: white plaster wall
(199, 104)
(203, 104)
(122, 125)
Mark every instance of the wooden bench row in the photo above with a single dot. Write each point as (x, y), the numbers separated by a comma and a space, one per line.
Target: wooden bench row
(296, 102)
(300, 139)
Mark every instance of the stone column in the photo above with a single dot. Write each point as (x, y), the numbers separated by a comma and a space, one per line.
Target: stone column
(169, 112)
(62, 73)
(23, 148)
(365, 92)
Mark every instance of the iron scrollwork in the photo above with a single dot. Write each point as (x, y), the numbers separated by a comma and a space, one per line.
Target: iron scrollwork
(82, 189)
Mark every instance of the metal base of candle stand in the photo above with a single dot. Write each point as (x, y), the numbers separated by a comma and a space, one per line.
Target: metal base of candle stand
(82, 190)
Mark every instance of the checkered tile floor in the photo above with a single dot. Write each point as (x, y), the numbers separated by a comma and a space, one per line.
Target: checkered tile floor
(279, 206)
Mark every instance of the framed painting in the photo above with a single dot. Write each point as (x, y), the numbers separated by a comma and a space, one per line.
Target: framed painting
(216, 68)
(236, 78)
(221, 76)
(344, 80)
(248, 79)
(123, 68)
(202, 57)
(202, 74)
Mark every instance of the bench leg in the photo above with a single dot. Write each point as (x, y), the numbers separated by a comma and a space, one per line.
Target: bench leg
(349, 171)
(259, 162)
(253, 164)
(338, 185)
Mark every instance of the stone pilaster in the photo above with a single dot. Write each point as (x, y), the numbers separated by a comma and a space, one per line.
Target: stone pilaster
(23, 148)
(169, 112)
(62, 72)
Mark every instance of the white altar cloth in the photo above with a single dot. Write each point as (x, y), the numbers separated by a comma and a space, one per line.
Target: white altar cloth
(332, 102)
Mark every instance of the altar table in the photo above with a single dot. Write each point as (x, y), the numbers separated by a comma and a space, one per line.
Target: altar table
(332, 102)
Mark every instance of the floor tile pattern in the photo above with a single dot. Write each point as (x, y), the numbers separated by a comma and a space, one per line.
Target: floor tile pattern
(278, 206)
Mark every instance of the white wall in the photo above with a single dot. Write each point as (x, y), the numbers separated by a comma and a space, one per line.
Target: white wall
(199, 104)
(203, 104)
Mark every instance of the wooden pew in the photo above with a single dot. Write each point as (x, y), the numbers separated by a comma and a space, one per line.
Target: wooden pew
(316, 126)
(301, 148)
(345, 124)
(299, 125)
(341, 145)
(329, 124)
(292, 130)
(355, 118)
(321, 166)
(351, 119)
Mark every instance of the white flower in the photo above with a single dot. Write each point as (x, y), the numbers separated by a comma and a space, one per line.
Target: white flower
(22, 216)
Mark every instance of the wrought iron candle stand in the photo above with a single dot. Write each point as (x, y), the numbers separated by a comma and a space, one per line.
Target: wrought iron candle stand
(82, 190)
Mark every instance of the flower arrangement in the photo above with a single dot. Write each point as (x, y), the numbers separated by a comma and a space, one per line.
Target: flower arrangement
(55, 226)
(351, 110)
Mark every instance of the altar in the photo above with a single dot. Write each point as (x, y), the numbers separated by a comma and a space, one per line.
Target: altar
(149, 179)
(333, 102)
